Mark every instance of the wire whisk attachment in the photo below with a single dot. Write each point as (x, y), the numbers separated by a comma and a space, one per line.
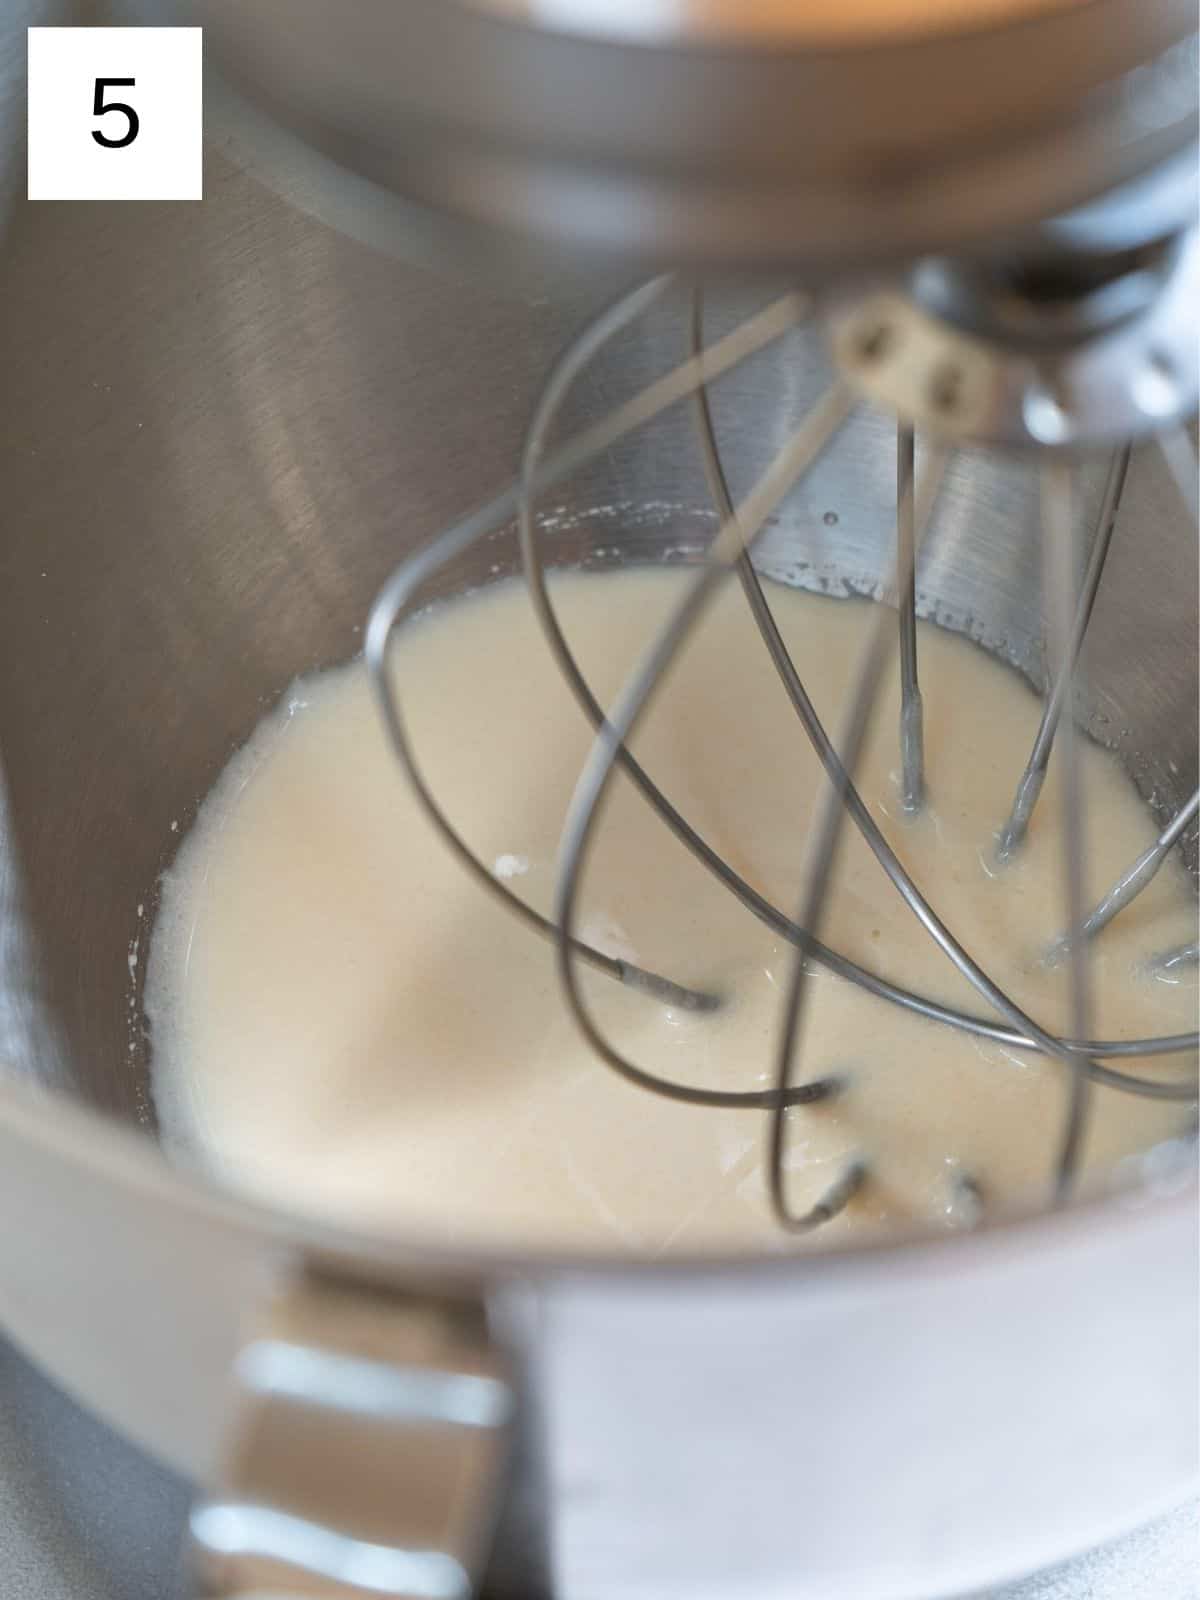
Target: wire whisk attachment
(1070, 587)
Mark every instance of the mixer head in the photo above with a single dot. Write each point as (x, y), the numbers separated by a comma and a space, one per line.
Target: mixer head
(817, 138)
(994, 201)
(991, 212)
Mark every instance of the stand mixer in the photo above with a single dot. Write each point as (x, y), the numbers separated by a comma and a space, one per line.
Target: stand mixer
(962, 305)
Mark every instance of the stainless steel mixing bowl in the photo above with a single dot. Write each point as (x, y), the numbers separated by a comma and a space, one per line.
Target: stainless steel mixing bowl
(223, 423)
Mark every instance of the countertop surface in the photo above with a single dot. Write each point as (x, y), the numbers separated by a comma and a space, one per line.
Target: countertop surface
(84, 1516)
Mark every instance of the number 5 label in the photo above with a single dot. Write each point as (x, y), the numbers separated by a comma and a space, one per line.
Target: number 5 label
(115, 114)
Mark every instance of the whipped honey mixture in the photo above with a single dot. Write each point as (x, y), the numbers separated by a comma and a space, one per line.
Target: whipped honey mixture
(342, 1020)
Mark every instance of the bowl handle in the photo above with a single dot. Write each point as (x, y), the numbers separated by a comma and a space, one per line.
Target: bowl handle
(368, 1448)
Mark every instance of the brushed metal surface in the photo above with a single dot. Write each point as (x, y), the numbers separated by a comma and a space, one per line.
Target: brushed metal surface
(86, 1516)
(229, 421)
(373, 1433)
(717, 149)
(779, 22)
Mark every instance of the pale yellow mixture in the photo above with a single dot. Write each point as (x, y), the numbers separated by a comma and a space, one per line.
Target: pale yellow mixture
(343, 1021)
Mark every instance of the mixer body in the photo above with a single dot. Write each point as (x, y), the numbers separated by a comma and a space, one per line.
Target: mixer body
(792, 135)
(232, 420)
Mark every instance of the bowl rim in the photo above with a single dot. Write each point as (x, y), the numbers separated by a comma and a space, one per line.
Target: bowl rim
(121, 1156)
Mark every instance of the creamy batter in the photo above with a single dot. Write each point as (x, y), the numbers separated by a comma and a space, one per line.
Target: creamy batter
(343, 1021)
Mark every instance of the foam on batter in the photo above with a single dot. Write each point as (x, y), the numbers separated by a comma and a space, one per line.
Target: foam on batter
(342, 1021)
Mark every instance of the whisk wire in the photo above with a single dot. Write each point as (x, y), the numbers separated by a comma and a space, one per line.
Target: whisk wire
(412, 576)
(818, 428)
(912, 713)
(1132, 881)
(1059, 579)
(1029, 786)
(848, 794)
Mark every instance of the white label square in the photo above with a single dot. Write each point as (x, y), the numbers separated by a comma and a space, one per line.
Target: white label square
(96, 135)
